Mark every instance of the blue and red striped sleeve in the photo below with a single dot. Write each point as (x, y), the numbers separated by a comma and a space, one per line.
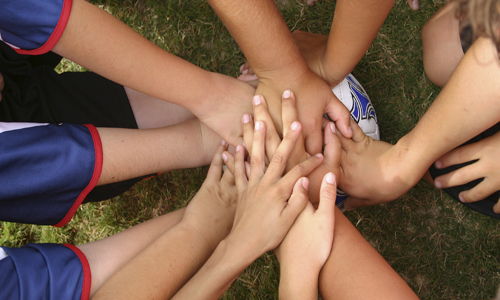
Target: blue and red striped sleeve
(33, 27)
(44, 271)
(46, 171)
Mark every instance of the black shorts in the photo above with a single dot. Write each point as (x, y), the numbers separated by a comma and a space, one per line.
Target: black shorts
(34, 92)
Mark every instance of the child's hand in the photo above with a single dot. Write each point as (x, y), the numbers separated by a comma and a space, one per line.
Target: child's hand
(212, 209)
(268, 203)
(307, 245)
(487, 152)
(331, 162)
(372, 173)
(289, 115)
(314, 98)
(221, 110)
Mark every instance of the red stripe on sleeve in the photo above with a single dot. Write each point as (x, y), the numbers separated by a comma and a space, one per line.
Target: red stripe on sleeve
(95, 176)
(87, 275)
(56, 34)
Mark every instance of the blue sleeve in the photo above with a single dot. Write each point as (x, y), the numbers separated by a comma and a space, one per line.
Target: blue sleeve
(44, 271)
(33, 26)
(46, 171)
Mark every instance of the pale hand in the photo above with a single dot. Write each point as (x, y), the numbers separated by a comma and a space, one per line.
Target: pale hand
(487, 152)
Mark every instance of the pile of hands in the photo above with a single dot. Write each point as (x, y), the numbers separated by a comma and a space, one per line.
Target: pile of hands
(261, 203)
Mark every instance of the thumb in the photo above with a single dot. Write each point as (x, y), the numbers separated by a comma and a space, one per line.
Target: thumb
(298, 200)
(328, 194)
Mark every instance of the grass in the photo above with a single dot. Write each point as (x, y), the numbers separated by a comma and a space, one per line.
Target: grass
(442, 249)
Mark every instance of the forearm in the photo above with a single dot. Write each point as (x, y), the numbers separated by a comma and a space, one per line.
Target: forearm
(354, 27)
(101, 43)
(355, 270)
(217, 274)
(298, 284)
(161, 269)
(262, 34)
(129, 153)
(468, 105)
(108, 255)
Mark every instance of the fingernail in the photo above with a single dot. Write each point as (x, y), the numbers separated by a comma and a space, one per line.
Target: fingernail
(223, 143)
(224, 157)
(294, 125)
(319, 155)
(254, 75)
(350, 131)
(258, 125)
(332, 127)
(438, 164)
(245, 146)
(238, 148)
(244, 72)
(330, 178)
(415, 4)
(246, 118)
(305, 183)
(438, 184)
(461, 198)
(241, 67)
(257, 100)
(286, 94)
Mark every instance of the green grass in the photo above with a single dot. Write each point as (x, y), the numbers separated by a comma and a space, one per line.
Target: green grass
(442, 249)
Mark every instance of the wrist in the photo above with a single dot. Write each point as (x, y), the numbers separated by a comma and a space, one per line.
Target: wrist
(241, 249)
(298, 284)
(412, 155)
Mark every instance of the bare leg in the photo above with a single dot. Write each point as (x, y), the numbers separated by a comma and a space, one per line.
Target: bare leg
(442, 46)
(355, 270)
(152, 112)
(108, 255)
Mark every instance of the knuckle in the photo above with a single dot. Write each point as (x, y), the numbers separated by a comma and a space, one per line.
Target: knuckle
(299, 170)
(277, 158)
(329, 194)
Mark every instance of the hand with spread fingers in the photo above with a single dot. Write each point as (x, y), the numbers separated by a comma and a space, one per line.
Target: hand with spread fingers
(270, 197)
(331, 162)
(307, 245)
(486, 153)
(268, 204)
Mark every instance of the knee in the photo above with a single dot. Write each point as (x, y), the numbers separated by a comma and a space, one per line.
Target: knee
(442, 50)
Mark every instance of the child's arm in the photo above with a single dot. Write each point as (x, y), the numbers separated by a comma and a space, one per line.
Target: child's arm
(264, 38)
(467, 106)
(266, 200)
(129, 153)
(307, 246)
(103, 44)
(354, 27)
(167, 263)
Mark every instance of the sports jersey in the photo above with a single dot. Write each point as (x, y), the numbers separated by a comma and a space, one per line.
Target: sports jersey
(44, 271)
(33, 26)
(46, 170)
